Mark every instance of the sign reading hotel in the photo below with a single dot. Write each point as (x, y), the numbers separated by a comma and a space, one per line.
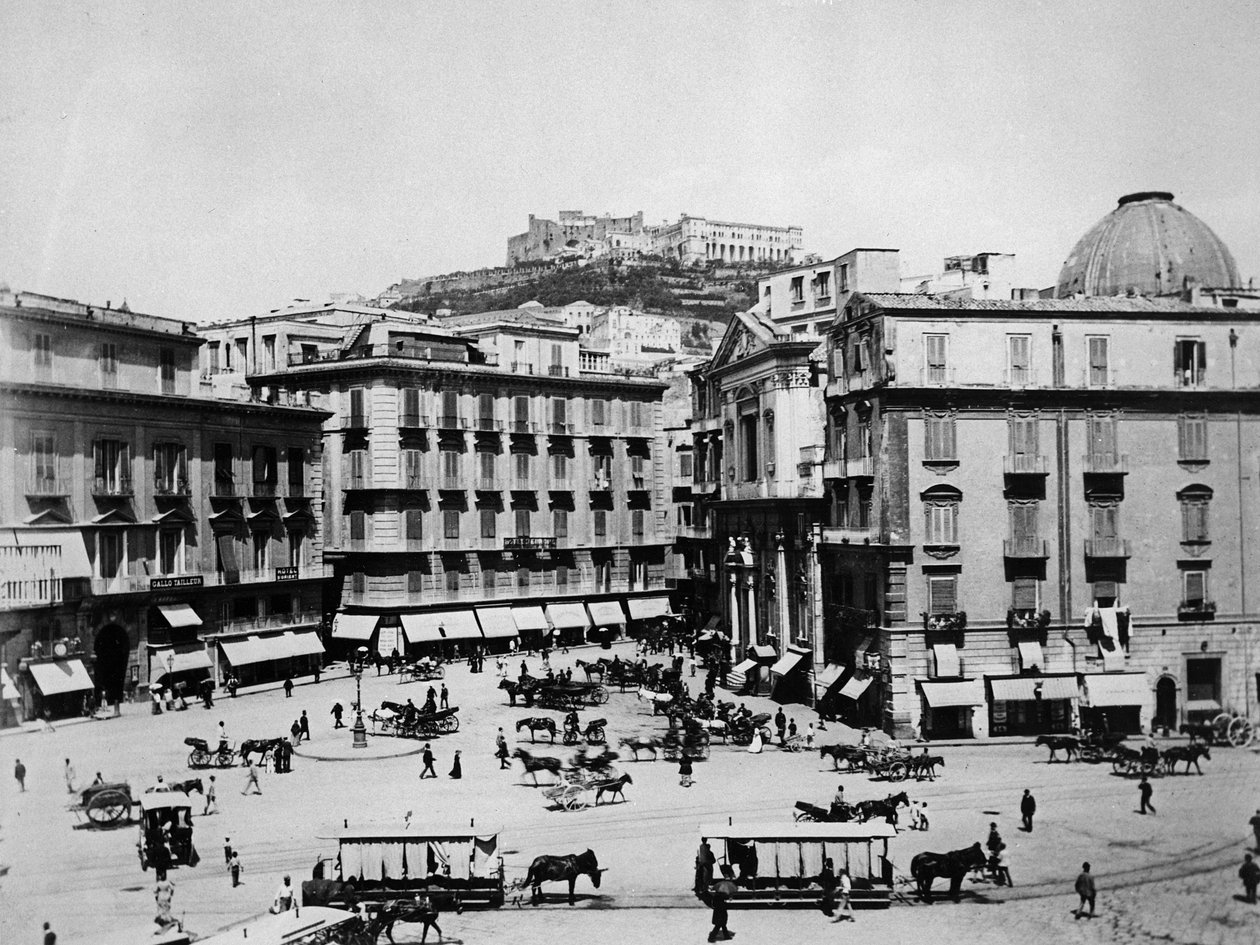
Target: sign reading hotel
(187, 580)
(286, 574)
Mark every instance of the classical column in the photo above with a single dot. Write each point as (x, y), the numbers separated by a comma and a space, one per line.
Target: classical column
(783, 591)
(734, 609)
(752, 609)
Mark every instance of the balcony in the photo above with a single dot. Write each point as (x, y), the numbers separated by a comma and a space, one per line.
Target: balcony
(413, 421)
(354, 421)
(948, 622)
(601, 484)
(454, 482)
(360, 481)
(521, 367)
(1025, 464)
(847, 535)
(522, 426)
(860, 467)
(1107, 548)
(134, 584)
(1025, 548)
(489, 484)
(638, 482)
(112, 485)
(452, 423)
(704, 486)
(523, 484)
(1196, 610)
(171, 487)
(560, 484)
(269, 622)
(695, 532)
(1019, 378)
(489, 425)
(264, 490)
(936, 376)
(833, 469)
(48, 486)
(223, 487)
(557, 370)
(560, 428)
(1105, 464)
(529, 543)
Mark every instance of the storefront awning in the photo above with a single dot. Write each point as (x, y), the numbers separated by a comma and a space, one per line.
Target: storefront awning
(830, 675)
(497, 623)
(568, 615)
(762, 653)
(943, 695)
(39, 553)
(530, 618)
(8, 691)
(60, 676)
(713, 623)
(854, 688)
(354, 626)
(1104, 689)
(788, 662)
(179, 615)
(1202, 705)
(1024, 688)
(647, 608)
(1031, 655)
(745, 666)
(606, 613)
(434, 626)
(303, 644)
(947, 662)
(246, 651)
(163, 660)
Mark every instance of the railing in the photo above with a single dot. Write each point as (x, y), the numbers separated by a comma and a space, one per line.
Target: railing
(1196, 609)
(846, 535)
(557, 370)
(361, 481)
(112, 485)
(704, 486)
(489, 483)
(1031, 464)
(540, 587)
(695, 531)
(171, 487)
(445, 353)
(452, 423)
(413, 420)
(1107, 548)
(523, 426)
(297, 490)
(1024, 547)
(936, 376)
(355, 421)
(453, 482)
(1106, 463)
(524, 484)
(859, 467)
(263, 490)
(833, 469)
(223, 488)
(489, 425)
(1019, 378)
(560, 427)
(601, 484)
(269, 622)
(47, 486)
(522, 367)
(560, 484)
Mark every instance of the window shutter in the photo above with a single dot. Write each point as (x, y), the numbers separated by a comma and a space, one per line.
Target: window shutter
(487, 523)
(1024, 593)
(1196, 586)
(415, 525)
(947, 439)
(943, 594)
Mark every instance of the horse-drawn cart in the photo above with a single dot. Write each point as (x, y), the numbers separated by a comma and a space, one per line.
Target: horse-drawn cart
(201, 755)
(423, 670)
(570, 695)
(104, 804)
(456, 865)
(406, 721)
(781, 863)
(308, 926)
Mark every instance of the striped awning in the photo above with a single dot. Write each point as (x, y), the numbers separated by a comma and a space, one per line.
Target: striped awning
(60, 676)
(1024, 688)
(497, 623)
(1031, 655)
(530, 618)
(646, 608)
(1107, 689)
(854, 688)
(571, 614)
(606, 613)
(953, 694)
(947, 661)
(163, 660)
(179, 615)
(830, 675)
(354, 626)
(788, 661)
(430, 626)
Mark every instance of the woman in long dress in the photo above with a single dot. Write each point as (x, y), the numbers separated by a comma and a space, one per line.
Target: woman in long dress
(757, 744)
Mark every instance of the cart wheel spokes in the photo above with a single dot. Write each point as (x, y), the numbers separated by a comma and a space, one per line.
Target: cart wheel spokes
(108, 807)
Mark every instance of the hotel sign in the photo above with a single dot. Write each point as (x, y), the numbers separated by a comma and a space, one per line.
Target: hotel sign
(286, 574)
(166, 583)
(529, 544)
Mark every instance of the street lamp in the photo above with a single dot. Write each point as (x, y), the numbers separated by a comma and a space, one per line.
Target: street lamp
(359, 730)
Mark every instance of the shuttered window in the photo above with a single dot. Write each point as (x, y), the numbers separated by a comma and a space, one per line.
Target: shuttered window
(485, 411)
(488, 517)
(942, 523)
(559, 414)
(413, 522)
(1024, 593)
(520, 464)
(1102, 441)
(415, 582)
(1194, 587)
(450, 523)
(450, 464)
(1104, 520)
(1024, 444)
(358, 412)
(1192, 439)
(358, 525)
(1194, 518)
(522, 523)
(520, 414)
(450, 408)
(941, 443)
(936, 354)
(410, 407)
(1099, 348)
(560, 523)
(942, 593)
(600, 517)
(636, 523)
(598, 411)
(1019, 354)
(412, 470)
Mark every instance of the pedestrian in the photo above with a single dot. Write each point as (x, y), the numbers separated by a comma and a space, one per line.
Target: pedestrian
(1000, 867)
(1086, 889)
(377, 660)
(446, 698)
(227, 850)
(336, 714)
(780, 724)
(809, 737)
(288, 688)
(457, 772)
(791, 729)
(251, 778)
(720, 932)
(155, 698)
(1249, 873)
(69, 774)
(211, 800)
(224, 746)
(235, 868)
(524, 669)
(317, 672)
(163, 894)
(827, 880)
(295, 732)
(285, 898)
(501, 750)
(994, 841)
(1144, 792)
(19, 772)
(704, 866)
(844, 907)
(427, 757)
(1028, 807)
(50, 937)
(305, 725)
(1255, 828)
(684, 770)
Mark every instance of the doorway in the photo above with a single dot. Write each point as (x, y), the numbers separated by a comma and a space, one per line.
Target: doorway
(1166, 703)
(113, 653)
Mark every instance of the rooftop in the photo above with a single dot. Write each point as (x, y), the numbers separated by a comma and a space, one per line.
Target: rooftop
(28, 303)
(1121, 305)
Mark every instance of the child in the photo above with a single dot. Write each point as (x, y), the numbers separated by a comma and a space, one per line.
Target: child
(234, 867)
(809, 737)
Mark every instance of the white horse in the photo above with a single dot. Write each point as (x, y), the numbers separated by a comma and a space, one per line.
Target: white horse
(659, 700)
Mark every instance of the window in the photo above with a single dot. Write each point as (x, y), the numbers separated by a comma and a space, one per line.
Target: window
(297, 549)
(863, 444)
(844, 277)
(1195, 501)
(42, 343)
(44, 463)
(936, 358)
(1099, 349)
(1024, 595)
(520, 414)
(358, 583)
(941, 524)
(295, 463)
(166, 370)
(485, 411)
(269, 352)
(358, 525)
(522, 523)
(113, 467)
(1192, 439)
(599, 411)
(410, 407)
(358, 412)
(518, 356)
(213, 349)
(1024, 444)
(798, 289)
(171, 551)
(600, 517)
(485, 470)
(262, 551)
(1203, 680)
(559, 469)
(1019, 359)
(822, 285)
(413, 471)
(748, 447)
(1102, 443)
(1194, 588)
(111, 553)
(941, 440)
(242, 355)
(1024, 528)
(108, 360)
(223, 474)
(1189, 362)
(861, 354)
(562, 575)
(358, 469)
(413, 525)
(521, 469)
(1104, 526)
(450, 409)
(636, 469)
(560, 523)
(170, 476)
(450, 523)
(265, 473)
(638, 414)
(602, 467)
(636, 523)
(488, 518)
(559, 415)
(942, 593)
(415, 582)
(522, 577)
(451, 468)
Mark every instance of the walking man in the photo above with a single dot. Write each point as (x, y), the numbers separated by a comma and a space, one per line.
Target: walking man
(69, 773)
(1144, 791)
(305, 725)
(780, 723)
(995, 839)
(50, 937)
(427, 757)
(446, 699)
(285, 897)
(704, 866)
(295, 732)
(1249, 873)
(1255, 825)
(234, 867)
(1086, 889)
(288, 688)
(251, 780)
(501, 750)
(336, 714)
(720, 932)
(223, 739)
(19, 772)
(844, 908)
(1028, 807)
(227, 850)
(211, 800)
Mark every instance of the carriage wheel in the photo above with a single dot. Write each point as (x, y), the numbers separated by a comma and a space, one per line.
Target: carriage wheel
(1241, 732)
(898, 771)
(805, 817)
(570, 737)
(599, 695)
(1090, 754)
(1220, 725)
(199, 759)
(450, 724)
(1120, 766)
(108, 807)
(225, 759)
(439, 673)
(596, 737)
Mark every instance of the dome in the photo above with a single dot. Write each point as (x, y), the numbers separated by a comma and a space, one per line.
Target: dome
(1147, 245)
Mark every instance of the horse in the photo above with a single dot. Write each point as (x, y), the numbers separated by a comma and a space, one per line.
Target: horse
(1069, 744)
(598, 762)
(425, 908)
(955, 866)
(536, 725)
(638, 744)
(838, 753)
(264, 746)
(187, 787)
(612, 787)
(535, 763)
(327, 892)
(1204, 731)
(594, 671)
(925, 765)
(514, 689)
(887, 808)
(660, 700)
(558, 869)
(1190, 754)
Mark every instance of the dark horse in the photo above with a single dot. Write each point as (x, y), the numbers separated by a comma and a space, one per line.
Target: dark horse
(1190, 754)
(1069, 744)
(887, 808)
(187, 787)
(613, 788)
(954, 865)
(924, 766)
(538, 725)
(264, 747)
(557, 869)
(514, 689)
(594, 671)
(425, 908)
(1204, 731)
(535, 763)
(640, 743)
(327, 892)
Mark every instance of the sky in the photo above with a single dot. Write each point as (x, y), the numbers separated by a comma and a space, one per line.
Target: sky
(219, 159)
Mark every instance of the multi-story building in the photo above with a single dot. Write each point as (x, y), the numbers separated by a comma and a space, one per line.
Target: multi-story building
(632, 337)
(756, 498)
(476, 466)
(150, 530)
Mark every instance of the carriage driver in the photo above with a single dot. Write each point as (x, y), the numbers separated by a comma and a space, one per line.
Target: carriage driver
(838, 803)
(223, 739)
(571, 723)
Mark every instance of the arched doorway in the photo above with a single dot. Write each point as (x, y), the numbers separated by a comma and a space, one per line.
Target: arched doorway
(1166, 703)
(113, 653)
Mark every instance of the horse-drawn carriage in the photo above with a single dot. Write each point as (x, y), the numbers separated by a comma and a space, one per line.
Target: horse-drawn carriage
(781, 864)
(593, 732)
(580, 788)
(407, 721)
(460, 866)
(570, 695)
(861, 812)
(422, 670)
(1130, 761)
(166, 832)
(1233, 728)
(1097, 746)
(104, 804)
(202, 756)
(313, 925)
(741, 728)
(691, 737)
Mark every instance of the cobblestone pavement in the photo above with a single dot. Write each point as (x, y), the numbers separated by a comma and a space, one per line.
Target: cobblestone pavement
(1168, 878)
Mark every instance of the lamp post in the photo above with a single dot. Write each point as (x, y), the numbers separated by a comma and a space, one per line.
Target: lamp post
(359, 730)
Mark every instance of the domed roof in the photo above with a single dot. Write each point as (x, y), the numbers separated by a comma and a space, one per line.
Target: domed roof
(1147, 245)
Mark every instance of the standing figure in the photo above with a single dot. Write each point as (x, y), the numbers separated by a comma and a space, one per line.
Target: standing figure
(1028, 807)
(427, 757)
(684, 770)
(69, 775)
(719, 933)
(19, 772)
(163, 894)
(251, 779)
(1144, 793)
(457, 771)
(285, 898)
(844, 907)
(1249, 873)
(288, 688)
(336, 714)
(704, 866)
(1086, 889)
(211, 800)
(1255, 829)
(305, 725)
(235, 868)
(501, 750)
(446, 698)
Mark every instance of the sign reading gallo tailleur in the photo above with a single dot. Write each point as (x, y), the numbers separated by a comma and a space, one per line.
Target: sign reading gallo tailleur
(188, 580)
